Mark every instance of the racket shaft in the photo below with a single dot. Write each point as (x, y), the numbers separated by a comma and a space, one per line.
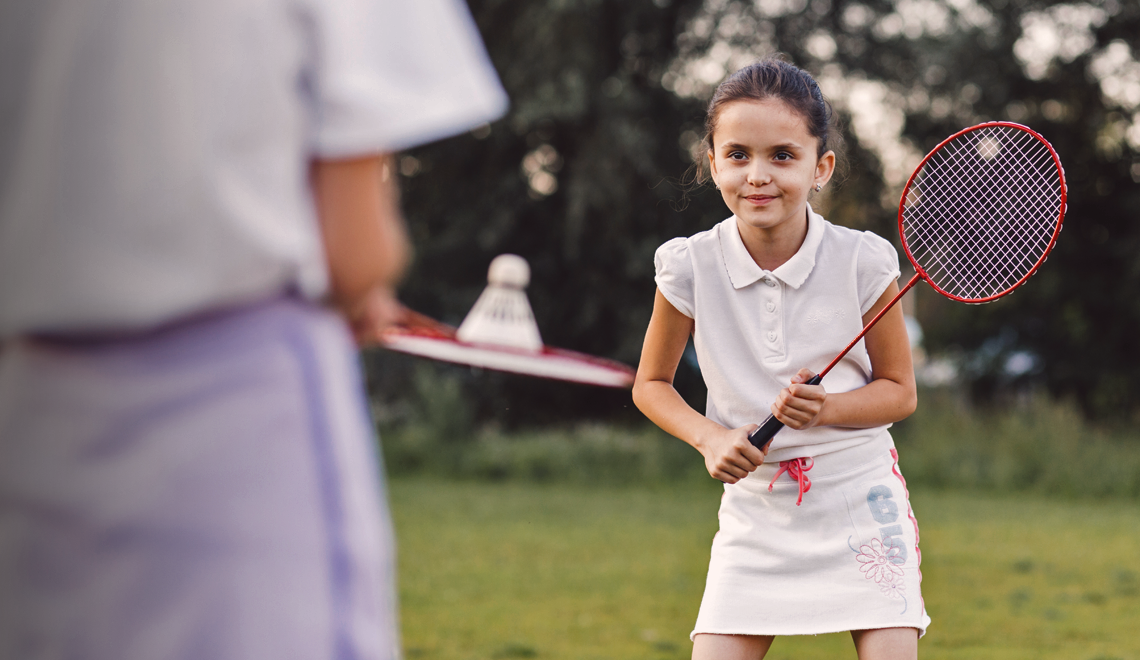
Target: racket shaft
(771, 426)
(882, 312)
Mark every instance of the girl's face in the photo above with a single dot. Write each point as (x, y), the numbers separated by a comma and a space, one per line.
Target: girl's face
(764, 161)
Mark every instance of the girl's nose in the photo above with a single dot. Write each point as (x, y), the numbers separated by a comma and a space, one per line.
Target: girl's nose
(759, 175)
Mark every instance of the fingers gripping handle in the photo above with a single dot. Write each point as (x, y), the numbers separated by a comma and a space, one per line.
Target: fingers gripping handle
(763, 435)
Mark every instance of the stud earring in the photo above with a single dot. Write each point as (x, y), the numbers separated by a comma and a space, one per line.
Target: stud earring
(818, 187)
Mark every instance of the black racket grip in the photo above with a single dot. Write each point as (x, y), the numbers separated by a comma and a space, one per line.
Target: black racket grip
(771, 426)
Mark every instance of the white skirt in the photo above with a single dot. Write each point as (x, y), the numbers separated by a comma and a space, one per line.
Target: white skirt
(846, 559)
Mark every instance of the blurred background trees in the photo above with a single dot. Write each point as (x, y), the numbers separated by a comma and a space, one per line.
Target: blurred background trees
(583, 177)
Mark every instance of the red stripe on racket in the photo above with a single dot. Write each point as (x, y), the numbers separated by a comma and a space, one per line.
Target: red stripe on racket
(977, 218)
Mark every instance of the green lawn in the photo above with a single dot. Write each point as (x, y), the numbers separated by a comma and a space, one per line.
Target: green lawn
(520, 570)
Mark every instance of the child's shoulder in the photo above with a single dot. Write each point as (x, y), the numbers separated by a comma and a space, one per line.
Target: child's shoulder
(678, 259)
(847, 234)
(703, 240)
(857, 240)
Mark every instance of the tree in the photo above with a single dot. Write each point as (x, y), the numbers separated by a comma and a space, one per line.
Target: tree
(607, 104)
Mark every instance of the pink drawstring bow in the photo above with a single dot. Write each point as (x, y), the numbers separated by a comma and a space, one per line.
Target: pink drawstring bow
(797, 469)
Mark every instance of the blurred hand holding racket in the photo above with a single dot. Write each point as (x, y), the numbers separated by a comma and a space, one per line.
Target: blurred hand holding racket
(500, 333)
(977, 218)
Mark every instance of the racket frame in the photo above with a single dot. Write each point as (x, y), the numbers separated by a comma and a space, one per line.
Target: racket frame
(1052, 240)
(423, 336)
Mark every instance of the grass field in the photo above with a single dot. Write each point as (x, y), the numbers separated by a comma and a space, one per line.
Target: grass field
(551, 571)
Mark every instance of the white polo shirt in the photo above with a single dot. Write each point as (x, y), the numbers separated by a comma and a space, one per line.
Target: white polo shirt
(154, 154)
(754, 329)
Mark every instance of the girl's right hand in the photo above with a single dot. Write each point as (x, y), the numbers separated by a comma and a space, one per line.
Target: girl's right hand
(377, 310)
(729, 456)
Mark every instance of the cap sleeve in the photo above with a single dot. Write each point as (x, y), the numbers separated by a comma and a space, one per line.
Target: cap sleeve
(675, 274)
(878, 267)
(385, 76)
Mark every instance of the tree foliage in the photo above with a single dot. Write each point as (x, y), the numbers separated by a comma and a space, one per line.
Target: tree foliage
(582, 176)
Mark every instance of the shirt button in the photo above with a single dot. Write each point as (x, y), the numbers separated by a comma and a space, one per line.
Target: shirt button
(771, 307)
(770, 282)
(771, 336)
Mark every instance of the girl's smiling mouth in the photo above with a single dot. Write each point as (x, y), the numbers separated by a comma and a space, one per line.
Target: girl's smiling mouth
(759, 200)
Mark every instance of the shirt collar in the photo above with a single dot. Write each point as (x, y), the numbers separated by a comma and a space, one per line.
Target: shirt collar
(743, 269)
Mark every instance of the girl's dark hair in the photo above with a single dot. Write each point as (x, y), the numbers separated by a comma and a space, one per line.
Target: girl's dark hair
(772, 78)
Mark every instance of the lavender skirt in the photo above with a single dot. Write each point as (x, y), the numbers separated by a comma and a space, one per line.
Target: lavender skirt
(207, 490)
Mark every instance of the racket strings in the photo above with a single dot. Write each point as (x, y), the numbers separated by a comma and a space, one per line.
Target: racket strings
(988, 203)
(982, 211)
(1001, 201)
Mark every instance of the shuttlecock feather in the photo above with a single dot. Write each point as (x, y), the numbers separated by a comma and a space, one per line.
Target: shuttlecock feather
(502, 314)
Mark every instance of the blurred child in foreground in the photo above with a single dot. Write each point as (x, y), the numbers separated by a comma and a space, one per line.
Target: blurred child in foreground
(196, 205)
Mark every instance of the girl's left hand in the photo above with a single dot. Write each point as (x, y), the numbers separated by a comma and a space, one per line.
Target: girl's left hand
(798, 406)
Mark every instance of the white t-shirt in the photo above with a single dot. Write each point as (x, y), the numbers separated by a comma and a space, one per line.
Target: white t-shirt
(754, 329)
(154, 154)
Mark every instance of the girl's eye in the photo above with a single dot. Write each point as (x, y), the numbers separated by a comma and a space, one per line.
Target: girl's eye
(737, 155)
(783, 155)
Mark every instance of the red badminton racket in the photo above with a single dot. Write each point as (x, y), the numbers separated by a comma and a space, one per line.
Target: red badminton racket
(977, 218)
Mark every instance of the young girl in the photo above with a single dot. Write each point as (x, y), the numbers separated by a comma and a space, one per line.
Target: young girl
(816, 531)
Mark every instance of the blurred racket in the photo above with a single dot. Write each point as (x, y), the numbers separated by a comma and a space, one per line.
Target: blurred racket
(977, 218)
(500, 334)
(420, 335)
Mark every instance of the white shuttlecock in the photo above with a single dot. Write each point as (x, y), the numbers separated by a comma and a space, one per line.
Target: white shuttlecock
(502, 314)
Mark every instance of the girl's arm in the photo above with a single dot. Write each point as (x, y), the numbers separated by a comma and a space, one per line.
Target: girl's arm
(889, 397)
(364, 238)
(729, 456)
